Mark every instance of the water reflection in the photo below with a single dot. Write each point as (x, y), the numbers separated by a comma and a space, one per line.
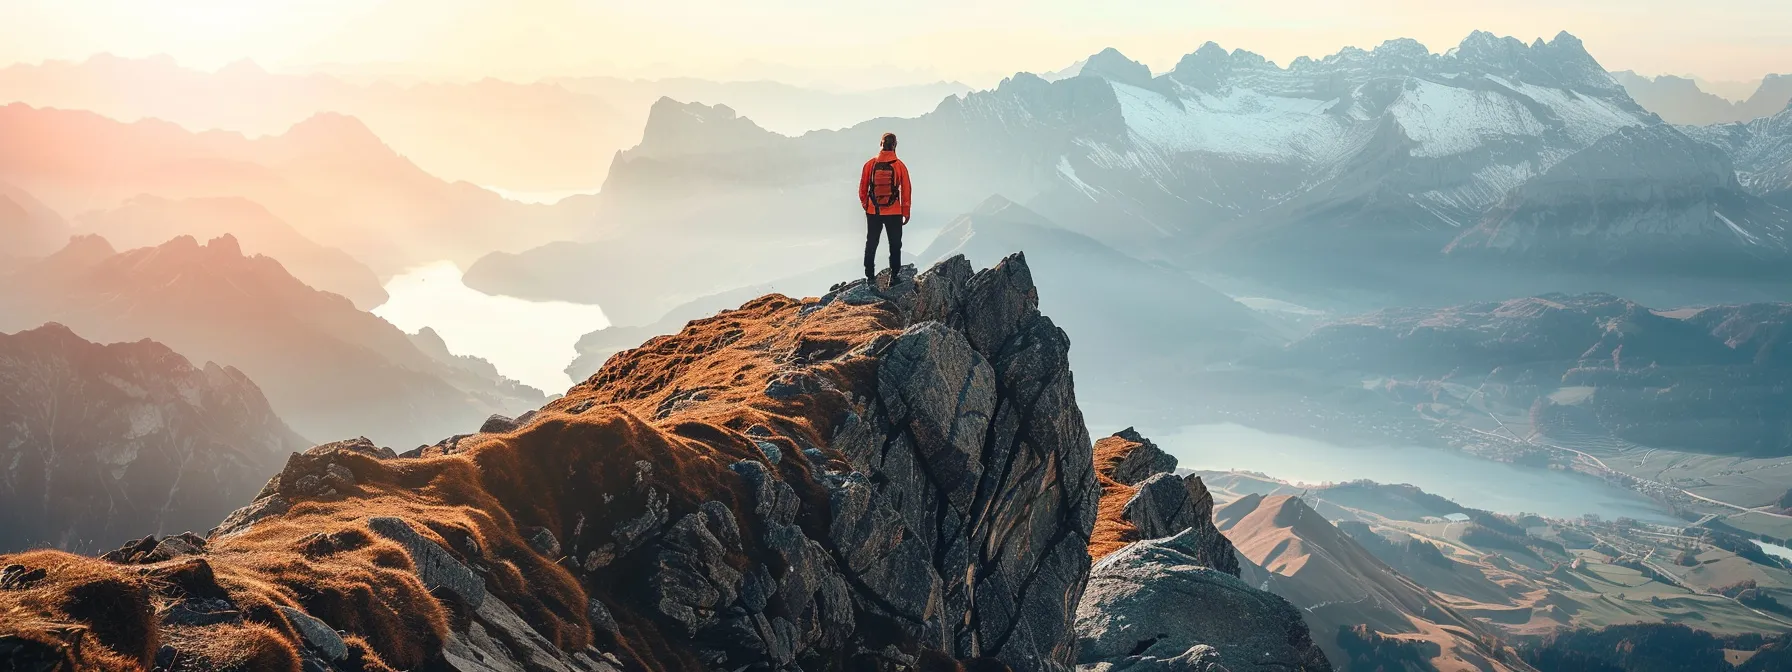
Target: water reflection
(531, 341)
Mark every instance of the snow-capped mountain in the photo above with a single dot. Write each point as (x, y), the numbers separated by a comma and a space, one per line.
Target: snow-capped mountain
(1372, 157)
(1647, 198)
(1352, 149)
(1762, 151)
(1394, 141)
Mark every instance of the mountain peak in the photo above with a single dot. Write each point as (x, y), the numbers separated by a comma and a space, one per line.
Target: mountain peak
(817, 385)
(1403, 47)
(225, 245)
(992, 205)
(332, 132)
(1114, 66)
(676, 128)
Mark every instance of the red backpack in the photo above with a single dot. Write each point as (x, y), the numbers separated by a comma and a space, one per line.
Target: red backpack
(885, 189)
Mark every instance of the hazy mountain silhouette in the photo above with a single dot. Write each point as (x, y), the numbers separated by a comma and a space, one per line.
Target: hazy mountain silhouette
(551, 136)
(328, 176)
(148, 221)
(1348, 173)
(1681, 100)
(27, 226)
(1339, 583)
(327, 368)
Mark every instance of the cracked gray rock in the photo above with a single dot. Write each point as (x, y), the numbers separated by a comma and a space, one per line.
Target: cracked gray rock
(435, 565)
(318, 635)
(1154, 606)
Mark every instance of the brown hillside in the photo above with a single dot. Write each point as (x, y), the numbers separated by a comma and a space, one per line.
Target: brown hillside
(1340, 584)
(798, 480)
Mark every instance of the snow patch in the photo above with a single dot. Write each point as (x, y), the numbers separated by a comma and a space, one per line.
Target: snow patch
(1268, 305)
(1746, 236)
(1242, 123)
(1069, 173)
(1446, 120)
(1585, 119)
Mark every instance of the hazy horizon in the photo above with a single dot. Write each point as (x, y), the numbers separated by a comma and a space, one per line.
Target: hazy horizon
(927, 41)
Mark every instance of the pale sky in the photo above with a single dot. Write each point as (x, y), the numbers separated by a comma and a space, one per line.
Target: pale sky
(857, 41)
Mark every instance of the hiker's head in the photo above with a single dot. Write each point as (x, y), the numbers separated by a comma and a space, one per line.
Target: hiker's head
(889, 141)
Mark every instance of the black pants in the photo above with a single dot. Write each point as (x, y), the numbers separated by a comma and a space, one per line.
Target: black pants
(876, 226)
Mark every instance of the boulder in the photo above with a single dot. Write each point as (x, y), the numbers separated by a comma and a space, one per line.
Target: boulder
(1154, 606)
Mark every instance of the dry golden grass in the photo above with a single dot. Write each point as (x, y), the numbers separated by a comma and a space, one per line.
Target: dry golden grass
(679, 402)
(1112, 532)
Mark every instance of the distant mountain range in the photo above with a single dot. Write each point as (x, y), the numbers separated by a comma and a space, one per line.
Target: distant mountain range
(328, 177)
(27, 226)
(550, 136)
(104, 443)
(1680, 100)
(148, 221)
(1356, 169)
(329, 369)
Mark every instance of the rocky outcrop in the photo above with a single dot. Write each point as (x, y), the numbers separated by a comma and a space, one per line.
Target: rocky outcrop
(837, 483)
(1154, 605)
(1143, 498)
(1165, 592)
(99, 443)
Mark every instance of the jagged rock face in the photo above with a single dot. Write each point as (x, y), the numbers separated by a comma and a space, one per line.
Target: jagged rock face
(1381, 155)
(99, 443)
(1139, 458)
(834, 483)
(1143, 498)
(1155, 606)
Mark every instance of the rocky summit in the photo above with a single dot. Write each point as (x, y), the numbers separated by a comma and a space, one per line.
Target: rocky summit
(845, 482)
(892, 476)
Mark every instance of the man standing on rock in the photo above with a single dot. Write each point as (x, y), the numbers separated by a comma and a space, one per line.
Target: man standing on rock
(884, 192)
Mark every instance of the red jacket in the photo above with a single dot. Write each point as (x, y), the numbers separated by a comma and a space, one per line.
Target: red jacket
(907, 190)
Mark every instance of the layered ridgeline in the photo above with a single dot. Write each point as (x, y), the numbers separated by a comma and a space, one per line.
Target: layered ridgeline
(1342, 587)
(28, 228)
(328, 177)
(1680, 100)
(1645, 199)
(553, 135)
(1347, 163)
(1762, 150)
(99, 443)
(148, 221)
(328, 369)
(843, 482)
